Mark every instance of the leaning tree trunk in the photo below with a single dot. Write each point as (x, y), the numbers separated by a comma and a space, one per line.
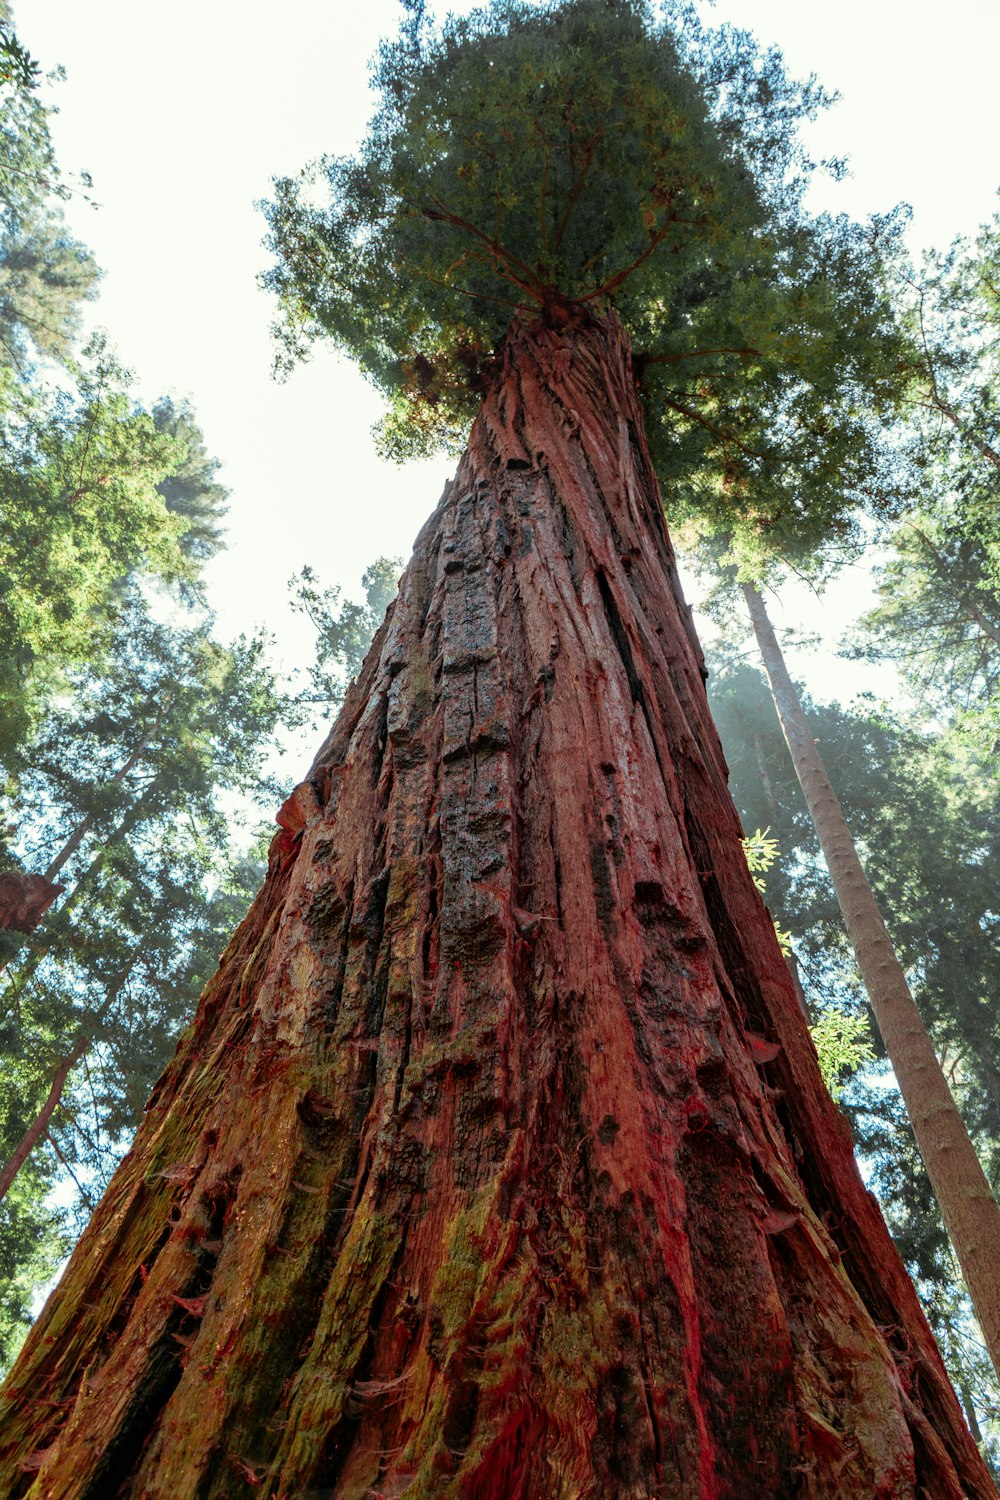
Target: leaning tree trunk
(50, 941)
(496, 1163)
(39, 1126)
(24, 898)
(969, 1210)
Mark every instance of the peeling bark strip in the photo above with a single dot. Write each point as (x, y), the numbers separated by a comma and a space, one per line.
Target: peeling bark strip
(477, 1174)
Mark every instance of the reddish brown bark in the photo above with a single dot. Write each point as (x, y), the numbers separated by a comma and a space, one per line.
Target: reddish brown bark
(40, 1124)
(496, 1163)
(24, 900)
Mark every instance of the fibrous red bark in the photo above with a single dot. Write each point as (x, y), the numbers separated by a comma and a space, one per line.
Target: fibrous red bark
(496, 1163)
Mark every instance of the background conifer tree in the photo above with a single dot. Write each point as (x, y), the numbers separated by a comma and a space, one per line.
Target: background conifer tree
(130, 747)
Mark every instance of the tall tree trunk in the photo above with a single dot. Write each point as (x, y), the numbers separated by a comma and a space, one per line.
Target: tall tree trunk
(968, 1207)
(496, 1163)
(40, 1124)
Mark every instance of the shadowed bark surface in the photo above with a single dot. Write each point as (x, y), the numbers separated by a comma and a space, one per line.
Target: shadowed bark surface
(496, 1163)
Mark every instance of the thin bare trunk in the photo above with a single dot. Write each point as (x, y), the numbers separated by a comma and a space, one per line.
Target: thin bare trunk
(40, 1124)
(967, 1205)
(84, 826)
(24, 898)
(765, 775)
(982, 448)
(49, 940)
(85, 1197)
(965, 599)
(800, 994)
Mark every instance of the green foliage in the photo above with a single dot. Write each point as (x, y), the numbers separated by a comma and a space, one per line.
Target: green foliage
(843, 1039)
(761, 853)
(938, 615)
(939, 596)
(843, 1043)
(951, 305)
(344, 629)
(540, 159)
(81, 507)
(130, 790)
(28, 171)
(190, 489)
(79, 464)
(33, 1233)
(18, 69)
(131, 739)
(44, 273)
(925, 813)
(44, 277)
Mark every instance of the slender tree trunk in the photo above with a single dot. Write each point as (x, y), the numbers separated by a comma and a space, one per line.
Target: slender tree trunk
(982, 448)
(765, 775)
(25, 898)
(800, 994)
(497, 1163)
(962, 1382)
(49, 940)
(969, 1209)
(965, 599)
(85, 1197)
(40, 1124)
(84, 826)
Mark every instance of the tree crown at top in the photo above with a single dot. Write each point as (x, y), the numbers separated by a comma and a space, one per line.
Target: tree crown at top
(587, 153)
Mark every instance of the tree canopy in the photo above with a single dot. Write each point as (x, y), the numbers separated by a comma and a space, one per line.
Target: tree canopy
(938, 615)
(81, 509)
(539, 159)
(45, 274)
(131, 737)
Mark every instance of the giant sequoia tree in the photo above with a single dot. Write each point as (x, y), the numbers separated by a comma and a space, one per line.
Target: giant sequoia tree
(496, 1161)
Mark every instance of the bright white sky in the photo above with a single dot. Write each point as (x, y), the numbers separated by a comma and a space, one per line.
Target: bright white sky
(184, 113)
